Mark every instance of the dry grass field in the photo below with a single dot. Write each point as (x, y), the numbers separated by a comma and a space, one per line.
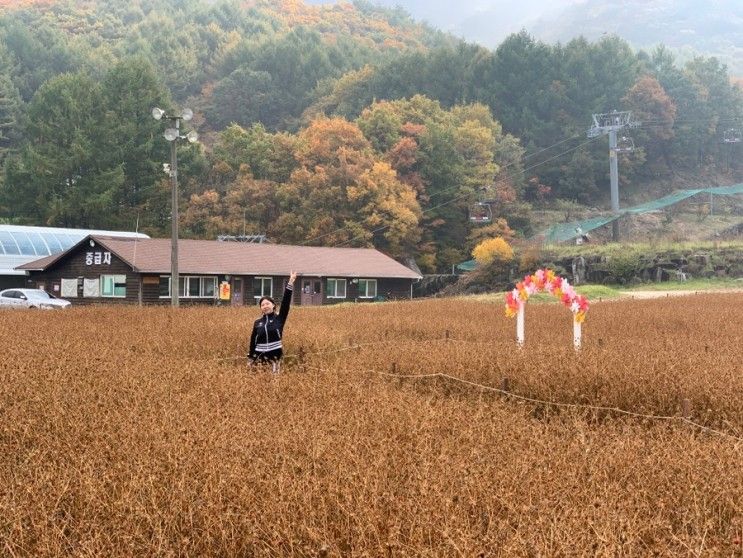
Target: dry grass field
(136, 432)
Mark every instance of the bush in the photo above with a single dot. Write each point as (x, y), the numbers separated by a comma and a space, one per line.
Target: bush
(623, 267)
(493, 249)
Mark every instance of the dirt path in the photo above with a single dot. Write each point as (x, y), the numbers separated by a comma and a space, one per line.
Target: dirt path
(641, 295)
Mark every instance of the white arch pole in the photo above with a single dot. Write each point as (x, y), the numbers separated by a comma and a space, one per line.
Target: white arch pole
(520, 326)
(576, 333)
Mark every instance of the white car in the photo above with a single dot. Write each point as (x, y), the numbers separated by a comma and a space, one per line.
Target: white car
(31, 298)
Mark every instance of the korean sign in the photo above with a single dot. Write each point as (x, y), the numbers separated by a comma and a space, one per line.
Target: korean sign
(97, 258)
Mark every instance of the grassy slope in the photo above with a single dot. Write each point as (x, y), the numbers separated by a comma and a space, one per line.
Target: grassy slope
(605, 292)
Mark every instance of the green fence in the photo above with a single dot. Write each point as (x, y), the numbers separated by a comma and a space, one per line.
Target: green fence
(568, 231)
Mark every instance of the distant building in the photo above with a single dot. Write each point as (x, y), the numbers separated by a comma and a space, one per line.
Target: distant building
(123, 270)
(20, 245)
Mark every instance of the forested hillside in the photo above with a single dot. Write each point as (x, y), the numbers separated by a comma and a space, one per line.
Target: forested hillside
(335, 125)
(688, 27)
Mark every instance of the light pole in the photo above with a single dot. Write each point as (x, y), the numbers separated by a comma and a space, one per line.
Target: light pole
(173, 135)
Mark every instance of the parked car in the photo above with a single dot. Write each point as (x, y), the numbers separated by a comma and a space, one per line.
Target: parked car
(31, 298)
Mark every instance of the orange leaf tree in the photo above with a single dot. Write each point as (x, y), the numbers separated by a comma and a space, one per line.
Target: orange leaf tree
(343, 195)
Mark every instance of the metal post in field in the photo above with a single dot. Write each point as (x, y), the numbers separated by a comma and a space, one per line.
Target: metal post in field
(173, 135)
(174, 275)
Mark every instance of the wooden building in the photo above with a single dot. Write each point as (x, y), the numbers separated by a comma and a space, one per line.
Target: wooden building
(102, 269)
(20, 244)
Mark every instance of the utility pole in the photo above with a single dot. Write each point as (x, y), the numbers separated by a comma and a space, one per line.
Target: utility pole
(610, 123)
(173, 135)
(175, 282)
(731, 137)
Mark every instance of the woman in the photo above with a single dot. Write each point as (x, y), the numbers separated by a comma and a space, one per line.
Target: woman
(265, 340)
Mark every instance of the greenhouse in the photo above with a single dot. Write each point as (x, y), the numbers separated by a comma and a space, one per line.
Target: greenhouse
(22, 244)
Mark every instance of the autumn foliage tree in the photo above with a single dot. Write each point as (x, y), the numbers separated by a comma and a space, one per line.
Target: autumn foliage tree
(498, 228)
(448, 158)
(493, 250)
(430, 107)
(249, 206)
(342, 195)
(651, 104)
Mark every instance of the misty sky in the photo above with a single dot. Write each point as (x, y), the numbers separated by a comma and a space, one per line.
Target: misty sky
(484, 21)
(687, 27)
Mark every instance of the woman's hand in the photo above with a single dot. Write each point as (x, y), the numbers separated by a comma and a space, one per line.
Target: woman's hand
(292, 277)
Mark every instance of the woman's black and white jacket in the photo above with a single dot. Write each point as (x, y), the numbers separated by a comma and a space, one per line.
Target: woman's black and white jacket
(265, 340)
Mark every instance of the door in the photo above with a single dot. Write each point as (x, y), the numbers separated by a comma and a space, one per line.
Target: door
(237, 292)
(311, 291)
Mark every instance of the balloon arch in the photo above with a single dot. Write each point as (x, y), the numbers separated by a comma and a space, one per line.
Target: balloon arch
(547, 281)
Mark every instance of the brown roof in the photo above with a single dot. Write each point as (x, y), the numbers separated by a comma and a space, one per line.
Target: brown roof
(47, 261)
(209, 257)
(42, 263)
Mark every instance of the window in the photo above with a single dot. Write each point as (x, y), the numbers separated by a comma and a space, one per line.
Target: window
(262, 286)
(208, 287)
(37, 294)
(91, 288)
(113, 286)
(164, 288)
(336, 288)
(189, 286)
(69, 288)
(367, 288)
(194, 287)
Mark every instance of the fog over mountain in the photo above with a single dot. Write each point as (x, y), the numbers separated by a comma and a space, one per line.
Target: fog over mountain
(484, 21)
(687, 27)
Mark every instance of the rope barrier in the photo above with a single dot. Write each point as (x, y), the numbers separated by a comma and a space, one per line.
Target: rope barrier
(556, 403)
(580, 406)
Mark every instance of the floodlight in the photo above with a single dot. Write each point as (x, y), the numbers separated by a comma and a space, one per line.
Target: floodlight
(157, 113)
(192, 136)
(187, 114)
(171, 134)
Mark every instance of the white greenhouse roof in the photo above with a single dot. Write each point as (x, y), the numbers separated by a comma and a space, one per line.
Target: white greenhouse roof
(22, 244)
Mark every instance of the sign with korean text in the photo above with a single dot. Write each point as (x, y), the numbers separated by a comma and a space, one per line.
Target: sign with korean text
(97, 258)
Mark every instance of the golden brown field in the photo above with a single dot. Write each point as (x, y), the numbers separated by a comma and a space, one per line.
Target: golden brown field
(135, 432)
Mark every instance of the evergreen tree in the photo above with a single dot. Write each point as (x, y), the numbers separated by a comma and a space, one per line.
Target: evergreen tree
(10, 107)
(38, 51)
(130, 90)
(67, 174)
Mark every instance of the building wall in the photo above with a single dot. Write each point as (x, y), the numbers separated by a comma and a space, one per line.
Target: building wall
(32, 243)
(151, 291)
(77, 265)
(88, 262)
(13, 282)
(387, 289)
(278, 284)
